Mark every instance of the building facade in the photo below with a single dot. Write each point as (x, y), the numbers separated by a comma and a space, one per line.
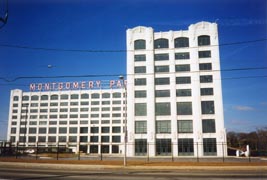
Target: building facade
(173, 96)
(174, 86)
(82, 120)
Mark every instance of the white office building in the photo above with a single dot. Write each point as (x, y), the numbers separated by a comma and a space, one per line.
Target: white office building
(173, 96)
(174, 92)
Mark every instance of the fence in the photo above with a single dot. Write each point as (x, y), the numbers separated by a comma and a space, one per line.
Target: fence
(159, 151)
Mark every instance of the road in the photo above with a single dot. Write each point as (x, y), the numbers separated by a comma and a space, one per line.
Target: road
(8, 173)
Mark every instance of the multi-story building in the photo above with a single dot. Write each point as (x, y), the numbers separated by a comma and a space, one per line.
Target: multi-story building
(85, 120)
(174, 90)
(174, 101)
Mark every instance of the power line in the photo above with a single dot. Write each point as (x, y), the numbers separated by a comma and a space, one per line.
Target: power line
(117, 75)
(113, 51)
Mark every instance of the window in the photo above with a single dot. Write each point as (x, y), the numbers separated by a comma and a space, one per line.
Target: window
(140, 69)
(181, 42)
(116, 108)
(209, 146)
(182, 56)
(208, 126)
(54, 97)
(83, 138)
(105, 102)
(185, 147)
(140, 127)
(62, 139)
(140, 147)
(63, 103)
(94, 138)
(83, 129)
(104, 138)
(183, 80)
(32, 131)
(41, 138)
(84, 96)
(32, 138)
(52, 130)
(139, 44)
(95, 103)
(206, 91)
(64, 110)
(74, 103)
(163, 147)
(72, 138)
(140, 109)
(139, 57)
(161, 43)
(184, 108)
(43, 110)
(206, 79)
(42, 130)
(163, 127)
(34, 98)
(62, 130)
(74, 96)
(204, 54)
(95, 96)
(162, 81)
(203, 40)
(161, 57)
(140, 94)
(25, 98)
(53, 104)
(162, 69)
(140, 81)
(183, 92)
(182, 68)
(116, 129)
(105, 95)
(185, 126)
(207, 107)
(64, 96)
(13, 131)
(84, 109)
(116, 139)
(205, 66)
(44, 97)
(43, 104)
(15, 98)
(105, 130)
(94, 129)
(116, 95)
(163, 109)
(162, 93)
(105, 109)
(73, 130)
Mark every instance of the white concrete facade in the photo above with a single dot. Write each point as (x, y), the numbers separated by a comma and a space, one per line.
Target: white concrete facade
(89, 118)
(195, 145)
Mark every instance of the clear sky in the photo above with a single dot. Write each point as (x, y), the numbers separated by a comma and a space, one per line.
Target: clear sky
(102, 25)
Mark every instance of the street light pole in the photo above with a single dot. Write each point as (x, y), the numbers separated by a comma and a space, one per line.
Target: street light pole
(125, 121)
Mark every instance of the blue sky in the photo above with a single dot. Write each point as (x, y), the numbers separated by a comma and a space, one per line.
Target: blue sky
(102, 25)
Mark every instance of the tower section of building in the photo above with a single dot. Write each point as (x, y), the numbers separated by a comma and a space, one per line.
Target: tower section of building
(174, 92)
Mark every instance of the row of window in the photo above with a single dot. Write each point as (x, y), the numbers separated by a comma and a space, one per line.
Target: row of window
(179, 42)
(40, 139)
(53, 110)
(179, 93)
(66, 96)
(64, 122)
(182, 108)
(76, 103)
(179, 80)
(64, 116)
(185, 147)
(65, 130)
(183, 126)
(178, 68)
(177, 56)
